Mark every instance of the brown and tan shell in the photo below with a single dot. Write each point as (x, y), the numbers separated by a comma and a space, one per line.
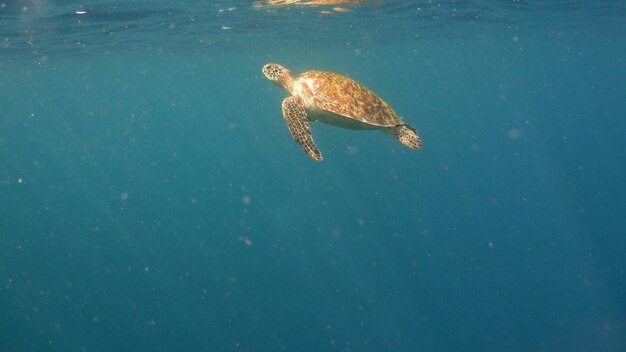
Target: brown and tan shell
(345, 97)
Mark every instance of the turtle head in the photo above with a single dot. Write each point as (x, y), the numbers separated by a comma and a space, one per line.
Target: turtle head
(278, 74)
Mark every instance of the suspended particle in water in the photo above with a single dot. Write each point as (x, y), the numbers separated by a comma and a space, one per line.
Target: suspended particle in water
(246, 240)
(514, 133)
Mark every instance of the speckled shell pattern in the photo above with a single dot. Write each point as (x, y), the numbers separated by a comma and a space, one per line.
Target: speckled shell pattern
(344, 96)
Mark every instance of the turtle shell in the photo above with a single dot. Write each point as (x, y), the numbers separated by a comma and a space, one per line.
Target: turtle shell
(345, 97)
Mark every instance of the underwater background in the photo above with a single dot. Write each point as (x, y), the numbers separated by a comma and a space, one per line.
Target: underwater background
(152, 198)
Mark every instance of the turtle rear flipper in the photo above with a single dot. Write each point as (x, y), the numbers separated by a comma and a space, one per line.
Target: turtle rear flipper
(406, 135)
(298, 124)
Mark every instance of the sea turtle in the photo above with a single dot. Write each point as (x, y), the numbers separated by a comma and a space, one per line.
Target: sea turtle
(336, 100)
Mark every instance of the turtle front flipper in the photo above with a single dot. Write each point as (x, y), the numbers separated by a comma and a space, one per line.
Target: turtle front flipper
(298, 124)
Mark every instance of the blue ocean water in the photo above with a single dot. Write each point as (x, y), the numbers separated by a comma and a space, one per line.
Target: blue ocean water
(152, 199)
